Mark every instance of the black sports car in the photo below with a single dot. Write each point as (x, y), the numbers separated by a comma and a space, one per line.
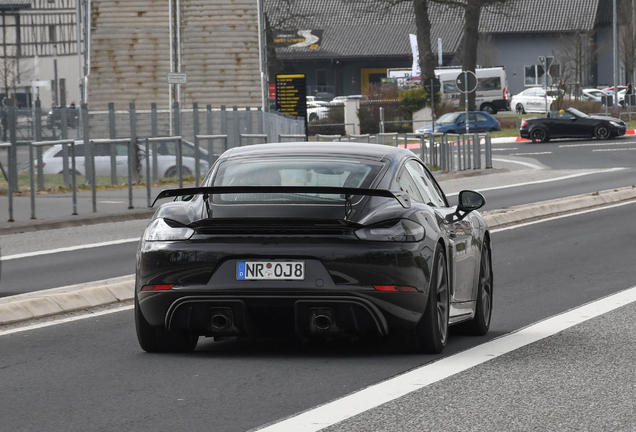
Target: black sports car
(571, 123)
(314, 239)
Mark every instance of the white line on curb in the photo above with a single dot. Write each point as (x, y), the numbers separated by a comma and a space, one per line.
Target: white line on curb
(401, 385)
(68, 249)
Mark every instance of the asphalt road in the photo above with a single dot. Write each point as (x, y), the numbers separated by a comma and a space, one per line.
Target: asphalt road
(92, 375)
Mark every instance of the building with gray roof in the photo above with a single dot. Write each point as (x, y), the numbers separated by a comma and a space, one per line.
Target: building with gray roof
(360, 39)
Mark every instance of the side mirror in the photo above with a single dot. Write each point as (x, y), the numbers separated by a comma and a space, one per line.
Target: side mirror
(469, 201)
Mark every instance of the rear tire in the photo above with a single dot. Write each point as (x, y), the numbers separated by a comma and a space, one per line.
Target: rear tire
(431, 333)
(489, 108)
(538, 135)
(157, 339)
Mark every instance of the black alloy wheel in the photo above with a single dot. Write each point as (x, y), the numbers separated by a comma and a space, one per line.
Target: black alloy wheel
(519, 109)
(431, 333)
(538, 135)
(156, 339)
(602, 132)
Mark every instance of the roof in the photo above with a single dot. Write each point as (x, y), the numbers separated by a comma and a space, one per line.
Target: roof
(359, 28)
(370, 28)
(540, 16)
(14, 4)
(324, 148)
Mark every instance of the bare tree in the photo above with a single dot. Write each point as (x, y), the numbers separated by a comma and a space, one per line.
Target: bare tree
(467, 51)
(575, 55)
(13, 71)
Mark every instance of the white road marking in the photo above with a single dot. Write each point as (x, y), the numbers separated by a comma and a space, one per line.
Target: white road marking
(606, 143)
(401, 385)
(528, 164)
(504, 149)
(545, 180)
(609, 150)
(64, 320)
(68, 249)
(530, 154)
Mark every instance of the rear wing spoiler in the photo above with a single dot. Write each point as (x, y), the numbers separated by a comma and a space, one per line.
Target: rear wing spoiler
(401, 197)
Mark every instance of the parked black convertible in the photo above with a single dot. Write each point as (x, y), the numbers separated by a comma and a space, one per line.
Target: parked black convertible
(571, 123)
(316, 240)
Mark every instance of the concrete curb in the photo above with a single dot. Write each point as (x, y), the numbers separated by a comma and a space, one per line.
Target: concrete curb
(73, 298)
(73, 221)
(525, 213)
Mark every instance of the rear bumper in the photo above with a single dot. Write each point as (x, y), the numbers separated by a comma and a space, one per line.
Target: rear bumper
(266, 314)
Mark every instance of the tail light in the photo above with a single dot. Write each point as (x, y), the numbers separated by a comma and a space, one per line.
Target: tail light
(395, 288)
(43, 165)
(524, 123)
(157, 287)
(505, 94)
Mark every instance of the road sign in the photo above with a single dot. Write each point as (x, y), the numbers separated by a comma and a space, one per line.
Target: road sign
(548, 63)
(466, 82)
(291, 94)
(432, 86)
(177, 78)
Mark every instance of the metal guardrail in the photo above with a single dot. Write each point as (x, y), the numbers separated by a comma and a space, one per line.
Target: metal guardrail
(252, 137)
(366, 137)
(329, 137)
(394, 136)
(293, 137)
(73, 173)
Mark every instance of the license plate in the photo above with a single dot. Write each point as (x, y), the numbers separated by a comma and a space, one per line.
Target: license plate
(270, 270)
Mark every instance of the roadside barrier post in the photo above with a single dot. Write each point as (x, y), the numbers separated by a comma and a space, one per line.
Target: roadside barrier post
(153, 133)
(488, 152)
(477, 152)
(112, 134)
(37, 136)
(148, 189)
(7, 146)
(212, 157)
(31, 180)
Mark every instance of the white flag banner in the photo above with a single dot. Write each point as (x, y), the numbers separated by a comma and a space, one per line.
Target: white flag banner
(416, 56)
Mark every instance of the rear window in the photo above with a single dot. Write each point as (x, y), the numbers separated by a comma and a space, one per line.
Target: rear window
(294, 172)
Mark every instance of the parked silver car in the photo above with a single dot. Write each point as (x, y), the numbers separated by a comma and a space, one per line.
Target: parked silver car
(166, 160)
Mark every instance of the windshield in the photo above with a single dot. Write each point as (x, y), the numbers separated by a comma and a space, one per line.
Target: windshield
(577, 112)
(294, 172)
(449, 118)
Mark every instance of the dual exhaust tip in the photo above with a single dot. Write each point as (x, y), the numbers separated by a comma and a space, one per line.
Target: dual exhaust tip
(322, 320)
(221, 319)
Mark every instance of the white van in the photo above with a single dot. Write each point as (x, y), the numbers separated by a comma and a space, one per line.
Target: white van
(492, 88)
